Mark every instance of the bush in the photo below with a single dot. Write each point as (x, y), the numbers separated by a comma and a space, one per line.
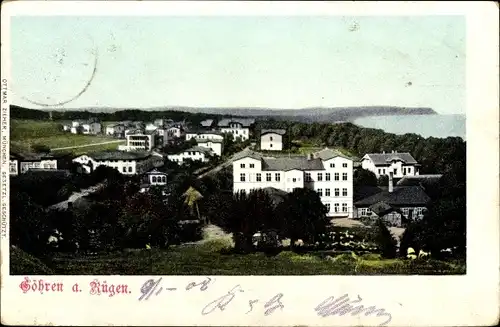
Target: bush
(22, 263)
(189, 233)
(386, 242)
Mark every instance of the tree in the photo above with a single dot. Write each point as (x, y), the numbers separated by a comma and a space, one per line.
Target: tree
(364, 177)
(383, 180)
(302, 215)
(385, 241)
(191, 198)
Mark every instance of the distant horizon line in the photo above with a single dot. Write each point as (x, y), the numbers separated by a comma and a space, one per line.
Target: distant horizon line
(232, 108)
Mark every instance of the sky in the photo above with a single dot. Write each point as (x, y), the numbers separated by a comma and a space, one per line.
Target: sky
(260, 61)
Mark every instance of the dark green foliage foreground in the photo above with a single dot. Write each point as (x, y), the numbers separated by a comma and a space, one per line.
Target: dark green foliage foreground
(194, 260)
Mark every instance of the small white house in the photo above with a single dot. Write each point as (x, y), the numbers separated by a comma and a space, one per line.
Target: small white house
(195, 153)
(174, 131)
(115, 129)
(139, 141)
(239, 128)
(272, 139)
(215, 145)
(127, 163)
(399, 164)
(92, 127)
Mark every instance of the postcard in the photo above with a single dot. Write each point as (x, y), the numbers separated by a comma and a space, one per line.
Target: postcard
(249, 163)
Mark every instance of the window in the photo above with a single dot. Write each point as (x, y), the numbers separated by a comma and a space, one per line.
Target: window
(164, 179)
(259, 177)
(242, 165)
(418, 211)
(308, 177)
(242, 177)
(344, 176)
(379, 171)
(320, 192)
(327, 192)
(268, 177)
(252, 165)
(328, 207)
(130, 170)
(271, 145)
(327, 177)
(294, 180)
(153, 179)
(270, 138)
(277, 177)
(344, 207)
(368, 211)
(344, 165)
(409, 170)
(344, 192)
(362, 212)
(383, 171)
(124, 169)
(320, 177)
(404, 171)
(406, 212)
(395, 171)
(337, 193)
(336, 206)
(332, 165)
(336, 176)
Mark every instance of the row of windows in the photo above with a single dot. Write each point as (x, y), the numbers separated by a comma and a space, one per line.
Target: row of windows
(336, 177)
(159, 179)
(406, 211)
(244, 132)
(336, 207)
(277, 177)
(344, 165)
(336, 192)
(250, 165)
(124, 169)
(395, 171)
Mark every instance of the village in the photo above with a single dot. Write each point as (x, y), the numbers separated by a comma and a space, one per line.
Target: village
(263, 164)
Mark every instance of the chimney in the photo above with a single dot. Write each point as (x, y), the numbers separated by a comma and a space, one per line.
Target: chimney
(390, 182)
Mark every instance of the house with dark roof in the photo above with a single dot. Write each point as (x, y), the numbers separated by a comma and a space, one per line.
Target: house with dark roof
(272, 139)
(90, 126)
(195, 153)
(330, 175)
(21, 163)
(400, 164)
(127, 163)
(240, 128)
(396, 205)
(153, 178)
(217, 146)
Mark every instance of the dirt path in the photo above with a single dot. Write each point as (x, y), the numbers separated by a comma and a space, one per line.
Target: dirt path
(85, 145)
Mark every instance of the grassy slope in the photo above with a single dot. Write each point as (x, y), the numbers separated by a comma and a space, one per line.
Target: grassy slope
(24, 133)
(204, 258)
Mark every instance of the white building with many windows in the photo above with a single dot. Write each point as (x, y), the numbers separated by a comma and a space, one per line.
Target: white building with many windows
(204, 135)
(239, 128)
(139, 141)
(22, 163)
(127, 163)
(196, 153)
(399, 164)
(327, 172)
(272, 139)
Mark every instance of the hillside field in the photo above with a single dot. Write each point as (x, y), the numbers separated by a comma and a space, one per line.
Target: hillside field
(25, 133)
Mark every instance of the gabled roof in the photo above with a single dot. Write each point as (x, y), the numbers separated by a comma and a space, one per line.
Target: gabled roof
(286, 164)
(207, 122)
(155, 172)
(247, 153)
(401, 195)
(386, 158)
(327, 154)
(245, 122)
(273, 131)
(419, 180)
